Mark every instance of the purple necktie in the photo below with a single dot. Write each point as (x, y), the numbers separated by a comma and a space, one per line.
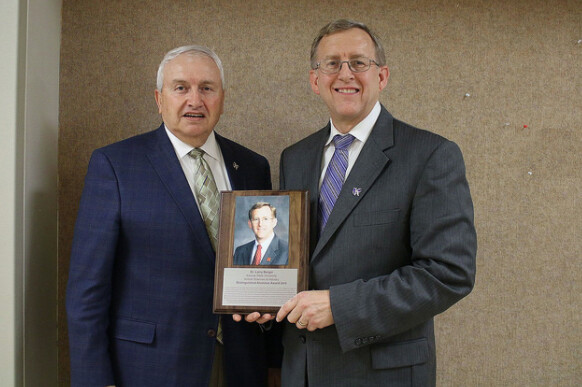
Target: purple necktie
(334, 177)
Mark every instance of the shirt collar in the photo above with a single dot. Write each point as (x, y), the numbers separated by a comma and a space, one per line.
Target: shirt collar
(210, 147)
(267, 242)
(363, 129)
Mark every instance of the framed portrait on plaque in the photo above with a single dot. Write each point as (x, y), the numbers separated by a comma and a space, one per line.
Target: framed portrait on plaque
(263, 250)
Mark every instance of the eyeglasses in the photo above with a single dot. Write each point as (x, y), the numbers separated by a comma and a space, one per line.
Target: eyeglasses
(263, 220)
(356, 65)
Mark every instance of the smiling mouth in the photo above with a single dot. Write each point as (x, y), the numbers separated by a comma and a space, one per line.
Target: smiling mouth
(347, 91)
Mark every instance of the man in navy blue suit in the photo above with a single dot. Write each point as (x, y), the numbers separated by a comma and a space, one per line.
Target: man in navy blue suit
(267, 248)
(139, 296)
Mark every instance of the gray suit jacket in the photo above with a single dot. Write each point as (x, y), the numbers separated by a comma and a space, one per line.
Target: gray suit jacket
(277, 253)
(399, 248)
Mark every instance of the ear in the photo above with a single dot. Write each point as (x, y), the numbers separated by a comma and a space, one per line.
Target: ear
(222, 102)
(314, 81)
(250, 224)
(159, 100)
(384, 75)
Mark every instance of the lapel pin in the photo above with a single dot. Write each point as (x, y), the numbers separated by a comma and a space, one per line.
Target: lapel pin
(235, 166)
(269, 259)
(356, 191)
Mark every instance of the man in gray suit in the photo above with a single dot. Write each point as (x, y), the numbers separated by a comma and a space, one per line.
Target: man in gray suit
(398, 245)
(392, 236)
(267, 248)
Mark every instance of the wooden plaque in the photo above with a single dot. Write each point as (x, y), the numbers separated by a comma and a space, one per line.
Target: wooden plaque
(280, 221)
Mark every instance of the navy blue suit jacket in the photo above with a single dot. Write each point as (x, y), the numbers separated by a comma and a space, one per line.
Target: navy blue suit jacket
(277, 253)
(139, 296)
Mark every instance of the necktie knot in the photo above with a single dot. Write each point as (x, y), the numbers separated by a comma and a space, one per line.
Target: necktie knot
(196, 153)
(343, 142)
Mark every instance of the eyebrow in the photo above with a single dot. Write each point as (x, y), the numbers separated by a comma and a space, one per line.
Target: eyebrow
(203, 83)
(209, 83)
(354, 56)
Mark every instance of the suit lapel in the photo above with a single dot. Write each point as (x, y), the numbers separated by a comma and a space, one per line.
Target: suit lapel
(370, 164)
(273, 250)
(163, 159)
(232, 164)
(311, 172)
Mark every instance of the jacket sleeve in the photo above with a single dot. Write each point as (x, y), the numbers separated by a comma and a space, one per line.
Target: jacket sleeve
(88, 295)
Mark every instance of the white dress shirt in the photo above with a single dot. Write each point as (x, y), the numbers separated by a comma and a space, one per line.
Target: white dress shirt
(361, 132)
(212, 155)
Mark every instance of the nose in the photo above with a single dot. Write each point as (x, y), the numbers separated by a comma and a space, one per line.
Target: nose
(194, 97)
(345, 72)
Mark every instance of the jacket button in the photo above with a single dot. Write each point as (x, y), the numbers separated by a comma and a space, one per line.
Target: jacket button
(211, 333)
(302, 338)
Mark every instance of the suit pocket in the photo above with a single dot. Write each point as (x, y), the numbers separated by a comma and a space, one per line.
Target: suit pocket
(376, 217)
(402, 354)
(133, 330)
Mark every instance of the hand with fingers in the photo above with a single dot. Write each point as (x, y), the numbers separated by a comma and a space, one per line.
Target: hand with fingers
(309, 310)
(254, 317)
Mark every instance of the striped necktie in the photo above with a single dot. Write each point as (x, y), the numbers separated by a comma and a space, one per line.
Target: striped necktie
(333, 180)
(209, 203)
(207, 195)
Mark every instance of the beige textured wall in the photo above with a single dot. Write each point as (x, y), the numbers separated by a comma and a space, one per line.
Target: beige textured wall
(501, 78)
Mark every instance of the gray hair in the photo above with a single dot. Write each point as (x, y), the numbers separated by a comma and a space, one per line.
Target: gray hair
(344, 25)
(189, 50)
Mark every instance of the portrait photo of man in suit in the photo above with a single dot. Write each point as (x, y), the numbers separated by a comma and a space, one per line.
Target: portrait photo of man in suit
(266, 248)
(141, 281)
(392, 237)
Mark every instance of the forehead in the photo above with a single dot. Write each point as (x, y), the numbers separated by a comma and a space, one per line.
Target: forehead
(265, 210)
(192, 68)
(349, 43)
